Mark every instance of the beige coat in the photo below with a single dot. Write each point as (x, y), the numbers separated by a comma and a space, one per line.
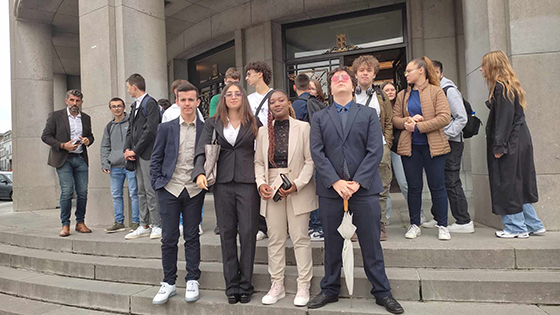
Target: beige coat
(436, 113)
(300, 167)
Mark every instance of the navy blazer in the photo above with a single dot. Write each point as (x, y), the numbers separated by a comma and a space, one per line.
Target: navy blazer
(361, 144)
(166, 151)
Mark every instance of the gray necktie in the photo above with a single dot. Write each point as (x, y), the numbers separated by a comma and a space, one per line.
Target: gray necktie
(343, 119)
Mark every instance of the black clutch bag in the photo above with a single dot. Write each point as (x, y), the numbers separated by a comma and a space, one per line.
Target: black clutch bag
(286, 184)
(130, 166)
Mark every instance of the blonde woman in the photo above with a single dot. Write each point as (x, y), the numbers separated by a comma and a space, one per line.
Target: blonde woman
(511, 168)
(283, 148)
(422, 111)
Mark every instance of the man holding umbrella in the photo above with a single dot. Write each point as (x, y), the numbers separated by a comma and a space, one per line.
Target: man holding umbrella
(347, 146)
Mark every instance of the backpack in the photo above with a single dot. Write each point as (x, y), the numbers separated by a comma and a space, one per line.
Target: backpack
(145, 110)
(313, 106)
(473, 122)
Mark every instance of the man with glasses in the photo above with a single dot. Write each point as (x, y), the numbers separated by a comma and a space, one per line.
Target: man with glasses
(347, 147)
(113, 163)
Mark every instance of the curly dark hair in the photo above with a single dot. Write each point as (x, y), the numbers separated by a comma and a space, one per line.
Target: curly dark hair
(261, 67)
(338, 69)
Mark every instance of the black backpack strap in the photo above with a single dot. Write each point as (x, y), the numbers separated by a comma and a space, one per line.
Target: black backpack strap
(265, 98)
(446, 88)
(368, 100)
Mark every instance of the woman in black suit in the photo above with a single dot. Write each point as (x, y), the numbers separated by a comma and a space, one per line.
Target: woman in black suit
(236, 199)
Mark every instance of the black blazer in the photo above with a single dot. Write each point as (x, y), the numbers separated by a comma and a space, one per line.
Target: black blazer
(166, 151)
(361, 144)
(57, 131)
(235, 163)
(141, 134)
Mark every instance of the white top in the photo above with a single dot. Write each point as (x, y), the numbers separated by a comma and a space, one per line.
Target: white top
(174, 111)
(75, 129)
(374, 103)
(255, 100)
(138, 102)
(231, 133)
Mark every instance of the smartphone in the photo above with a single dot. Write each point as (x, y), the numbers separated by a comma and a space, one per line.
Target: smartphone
(77, 142)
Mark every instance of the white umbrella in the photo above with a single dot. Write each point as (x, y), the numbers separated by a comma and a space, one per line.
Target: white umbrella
(347, 230)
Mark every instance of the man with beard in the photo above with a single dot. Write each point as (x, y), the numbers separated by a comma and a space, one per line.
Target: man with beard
(68, 133)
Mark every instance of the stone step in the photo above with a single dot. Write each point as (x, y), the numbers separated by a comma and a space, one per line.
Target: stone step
(12, 305)
(136, 299)
(477, 251)
(512, 286)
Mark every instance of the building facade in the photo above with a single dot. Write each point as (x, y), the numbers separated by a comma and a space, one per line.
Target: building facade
(96, 44)
(6, 151)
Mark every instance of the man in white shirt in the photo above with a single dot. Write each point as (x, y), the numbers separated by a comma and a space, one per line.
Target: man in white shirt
(366, 68)
(174, 110)
(258, 75)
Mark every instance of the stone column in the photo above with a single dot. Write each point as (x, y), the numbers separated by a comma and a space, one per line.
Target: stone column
(510, 25)
(32, 102)
(59, 87)
(117, 39)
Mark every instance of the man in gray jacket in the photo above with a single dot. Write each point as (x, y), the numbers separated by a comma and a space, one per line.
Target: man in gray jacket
(113, 163)
(454, 132)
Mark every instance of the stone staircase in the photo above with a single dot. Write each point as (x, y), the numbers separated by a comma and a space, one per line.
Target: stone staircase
(41, 273)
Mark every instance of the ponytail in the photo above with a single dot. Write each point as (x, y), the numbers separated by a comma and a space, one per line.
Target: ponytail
(425, 63)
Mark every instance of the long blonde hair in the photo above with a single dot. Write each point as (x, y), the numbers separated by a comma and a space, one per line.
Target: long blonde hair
(429, 69)
(497, 68)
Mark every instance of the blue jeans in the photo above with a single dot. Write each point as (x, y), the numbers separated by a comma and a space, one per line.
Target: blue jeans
(435, 172)
(315, 221)
(522, 222)
(74, 172)
(118, 175)
(201, 216)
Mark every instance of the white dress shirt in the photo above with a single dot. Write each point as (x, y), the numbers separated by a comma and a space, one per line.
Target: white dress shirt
(75, 129)
(255, 100)
(374, 103)
(138, 103)
(231, 133)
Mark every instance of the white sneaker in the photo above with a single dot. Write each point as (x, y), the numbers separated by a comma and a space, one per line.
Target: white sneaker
(139, 232)
(200, 231)
(540, 232)
(443, 234)
(461, 228)
(180, 229)
(422, 218)
(192, 294)
(261, 236)
(413, 232)
(302, 297)
(156, 232)
(275, 293)
(432, 224)
(504, 234)
(165, 292)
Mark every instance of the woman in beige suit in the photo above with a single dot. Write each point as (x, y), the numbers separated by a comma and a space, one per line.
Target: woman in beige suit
(283, 147)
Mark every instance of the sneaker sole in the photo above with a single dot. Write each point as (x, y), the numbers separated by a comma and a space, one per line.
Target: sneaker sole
(193, 299)
(461, 232)
(412, 237)
(164, 301)
(283, 295)
(115, 231)
(155, 237)
(136, 236)
(513, 237)
(301, 304)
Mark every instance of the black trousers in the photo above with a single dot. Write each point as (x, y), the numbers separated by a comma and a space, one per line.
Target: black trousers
(453, 185)
(367, 219)
(237, 210)
(170, 208)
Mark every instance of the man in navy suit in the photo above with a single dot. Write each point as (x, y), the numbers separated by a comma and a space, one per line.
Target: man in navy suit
(171, 166)
(347, 146)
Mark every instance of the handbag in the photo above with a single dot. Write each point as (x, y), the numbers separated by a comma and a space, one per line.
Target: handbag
(130, 166)
(211, 152)
(396, 131)
(286, 184)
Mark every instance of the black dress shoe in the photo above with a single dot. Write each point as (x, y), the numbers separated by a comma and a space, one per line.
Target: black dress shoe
(216, 230)
(233, 298)
(321, 300)
(245, 298)
(391, 305)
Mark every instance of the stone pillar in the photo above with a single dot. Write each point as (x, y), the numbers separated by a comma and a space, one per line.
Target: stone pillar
(59, 88)
(32, 102)
(507, 25)
(117, 39)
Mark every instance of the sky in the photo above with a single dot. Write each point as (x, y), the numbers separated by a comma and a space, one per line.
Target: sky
(5, 74)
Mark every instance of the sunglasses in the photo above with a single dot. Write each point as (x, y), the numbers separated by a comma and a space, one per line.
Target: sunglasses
(340, 78)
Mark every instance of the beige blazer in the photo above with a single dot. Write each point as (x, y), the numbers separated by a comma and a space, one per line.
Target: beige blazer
(300, 167)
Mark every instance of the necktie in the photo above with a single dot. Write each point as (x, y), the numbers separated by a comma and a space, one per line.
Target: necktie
(343, 119)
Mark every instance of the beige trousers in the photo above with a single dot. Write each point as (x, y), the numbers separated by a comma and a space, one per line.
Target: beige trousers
(386, 173)
(280, 218)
